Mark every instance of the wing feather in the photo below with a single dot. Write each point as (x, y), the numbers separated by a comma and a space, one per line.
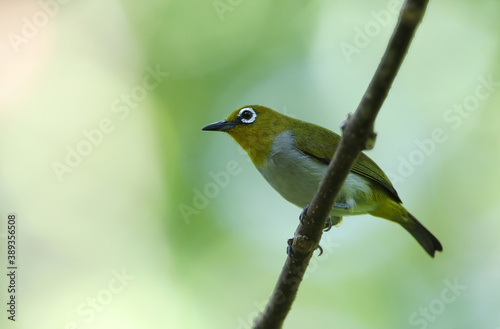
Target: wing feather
(320, 144)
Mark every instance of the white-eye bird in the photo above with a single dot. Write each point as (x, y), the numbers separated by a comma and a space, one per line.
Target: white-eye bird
(293, 156)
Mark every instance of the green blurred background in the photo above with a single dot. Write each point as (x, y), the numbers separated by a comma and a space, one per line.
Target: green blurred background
(103, 161)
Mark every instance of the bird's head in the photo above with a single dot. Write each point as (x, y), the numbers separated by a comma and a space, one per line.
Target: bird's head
(254, 127)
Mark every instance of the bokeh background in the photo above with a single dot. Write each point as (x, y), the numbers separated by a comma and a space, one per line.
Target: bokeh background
(129, 216)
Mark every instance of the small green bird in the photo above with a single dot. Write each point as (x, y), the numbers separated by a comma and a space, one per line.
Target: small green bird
(293, 156)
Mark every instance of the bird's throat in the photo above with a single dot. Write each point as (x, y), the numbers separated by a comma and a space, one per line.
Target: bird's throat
(257, 144)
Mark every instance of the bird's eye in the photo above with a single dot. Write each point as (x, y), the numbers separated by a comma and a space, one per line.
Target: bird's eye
(247, 115)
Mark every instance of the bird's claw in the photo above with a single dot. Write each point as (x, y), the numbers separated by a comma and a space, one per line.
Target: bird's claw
(328, 225)
(302, 214)
(289, 248)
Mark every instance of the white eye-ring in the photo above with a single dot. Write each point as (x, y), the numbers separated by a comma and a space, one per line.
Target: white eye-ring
(247, 115)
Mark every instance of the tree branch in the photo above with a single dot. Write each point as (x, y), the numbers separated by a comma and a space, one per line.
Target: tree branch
(357, 135)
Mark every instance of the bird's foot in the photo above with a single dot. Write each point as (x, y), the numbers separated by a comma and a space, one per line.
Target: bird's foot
(328, 227)
(289, 248)
(289, 243)
(302, 214)
(328, 224)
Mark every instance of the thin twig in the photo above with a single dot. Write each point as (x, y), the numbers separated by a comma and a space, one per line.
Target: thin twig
(358, 135)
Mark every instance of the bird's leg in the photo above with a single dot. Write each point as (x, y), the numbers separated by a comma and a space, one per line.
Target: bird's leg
(341, 205)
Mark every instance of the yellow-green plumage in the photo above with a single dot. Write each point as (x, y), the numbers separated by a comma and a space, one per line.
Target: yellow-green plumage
(293, 155)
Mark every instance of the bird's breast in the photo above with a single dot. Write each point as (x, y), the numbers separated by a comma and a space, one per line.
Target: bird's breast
(296, 176)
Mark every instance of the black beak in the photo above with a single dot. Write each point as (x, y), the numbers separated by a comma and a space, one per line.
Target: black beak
(220, 126)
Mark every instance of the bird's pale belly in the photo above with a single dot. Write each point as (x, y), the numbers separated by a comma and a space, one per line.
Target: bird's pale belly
(296, 176)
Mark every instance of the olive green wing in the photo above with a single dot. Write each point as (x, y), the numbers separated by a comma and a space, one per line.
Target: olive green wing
(320, 144)
(366, 167)
(315, 141)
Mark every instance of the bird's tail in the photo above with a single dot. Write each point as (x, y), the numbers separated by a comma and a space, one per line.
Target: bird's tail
(426, 239)
(394, 211)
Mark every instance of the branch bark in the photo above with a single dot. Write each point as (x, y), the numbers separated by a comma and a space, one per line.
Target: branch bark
(358, 135)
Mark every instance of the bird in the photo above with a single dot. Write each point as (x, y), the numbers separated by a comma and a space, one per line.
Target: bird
(293, 156)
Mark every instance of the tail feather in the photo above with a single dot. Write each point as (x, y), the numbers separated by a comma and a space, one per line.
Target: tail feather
(426, 239)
